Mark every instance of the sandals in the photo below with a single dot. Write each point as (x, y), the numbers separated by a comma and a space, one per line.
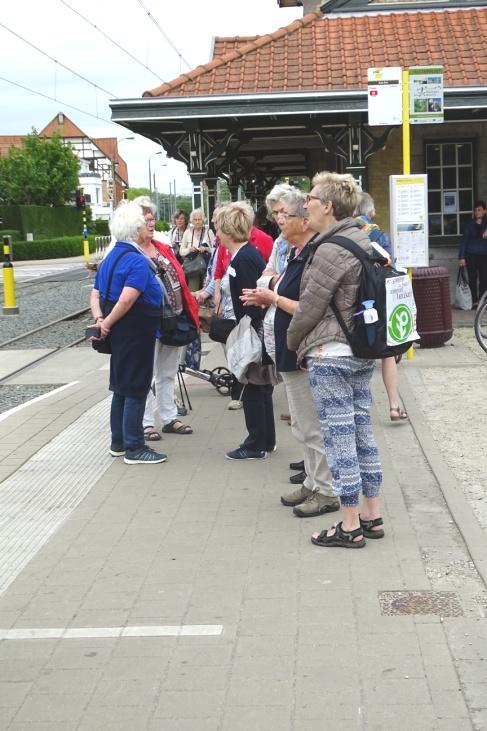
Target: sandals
(341, 538)
(151, 434)
(398, 414)
(367, 526)
(172, 428)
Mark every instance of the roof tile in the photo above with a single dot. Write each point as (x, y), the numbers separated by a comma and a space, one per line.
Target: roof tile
(334, 52)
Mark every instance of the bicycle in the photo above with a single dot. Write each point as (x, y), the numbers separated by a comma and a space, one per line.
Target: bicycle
(480, 322)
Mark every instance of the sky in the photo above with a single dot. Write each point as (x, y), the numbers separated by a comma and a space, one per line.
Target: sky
(53, 27)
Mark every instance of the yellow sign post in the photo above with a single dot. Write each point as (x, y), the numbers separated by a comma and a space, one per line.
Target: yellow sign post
(406, 155)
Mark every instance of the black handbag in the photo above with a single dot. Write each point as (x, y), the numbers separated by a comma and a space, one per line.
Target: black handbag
(184, 332)
(194, 263)
(220, 328)
(104, 345)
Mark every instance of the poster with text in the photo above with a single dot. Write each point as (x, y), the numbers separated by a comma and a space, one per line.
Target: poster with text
(384, 92)
(409, 219)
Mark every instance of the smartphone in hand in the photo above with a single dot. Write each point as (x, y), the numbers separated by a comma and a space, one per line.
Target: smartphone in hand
(93, 331)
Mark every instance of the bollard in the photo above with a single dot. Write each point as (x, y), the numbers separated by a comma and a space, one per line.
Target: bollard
(9, 304)
(86, 245)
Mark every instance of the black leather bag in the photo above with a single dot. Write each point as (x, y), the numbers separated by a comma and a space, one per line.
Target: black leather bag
(104, 345)
(194, 263)
(183, 333)
(220, 328)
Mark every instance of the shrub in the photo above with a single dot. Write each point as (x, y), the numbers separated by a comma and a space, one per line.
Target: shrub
(99, 228)
(44, 221)
(51, 248)
(162, 226)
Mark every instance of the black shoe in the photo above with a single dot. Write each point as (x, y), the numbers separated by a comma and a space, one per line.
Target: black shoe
(298, 478)
(298, 466)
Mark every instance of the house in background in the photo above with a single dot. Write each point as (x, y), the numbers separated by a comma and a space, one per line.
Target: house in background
(103, 173)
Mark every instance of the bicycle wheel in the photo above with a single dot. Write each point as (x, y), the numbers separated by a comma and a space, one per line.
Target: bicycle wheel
(480, 323)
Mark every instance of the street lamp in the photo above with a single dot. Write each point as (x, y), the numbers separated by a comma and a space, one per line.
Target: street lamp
(150, 173)
(156, 196)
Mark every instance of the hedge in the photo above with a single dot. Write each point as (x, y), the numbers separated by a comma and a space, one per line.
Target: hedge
(43, 221)
(13, 233)
(99, 228)
(51, 248)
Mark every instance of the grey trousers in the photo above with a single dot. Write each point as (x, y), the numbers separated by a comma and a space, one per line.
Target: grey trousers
(306, 430)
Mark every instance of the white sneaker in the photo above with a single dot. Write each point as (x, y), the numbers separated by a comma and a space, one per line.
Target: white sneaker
(234, 405)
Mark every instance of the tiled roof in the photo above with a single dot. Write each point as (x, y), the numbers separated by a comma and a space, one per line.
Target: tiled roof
(333, 52)
(66, 128)
(109, 146)
(8, 141)
(222, 45)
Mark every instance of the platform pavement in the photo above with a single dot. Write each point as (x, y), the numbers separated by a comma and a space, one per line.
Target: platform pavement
(200, 540)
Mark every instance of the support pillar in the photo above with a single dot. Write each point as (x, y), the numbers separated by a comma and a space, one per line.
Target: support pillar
(211, 184)
(197, 179)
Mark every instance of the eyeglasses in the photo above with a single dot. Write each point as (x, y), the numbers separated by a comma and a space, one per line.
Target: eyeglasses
(281, 214)
(310, 197)
(150, 220)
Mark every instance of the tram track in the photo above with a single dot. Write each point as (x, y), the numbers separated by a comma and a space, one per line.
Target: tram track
(19, 340)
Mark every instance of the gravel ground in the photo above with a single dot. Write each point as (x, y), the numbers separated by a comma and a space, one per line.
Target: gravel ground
(56, 336)
(46, 301)
(14, 395)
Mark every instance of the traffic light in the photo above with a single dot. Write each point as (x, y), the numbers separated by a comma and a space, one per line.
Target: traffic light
(80, 199)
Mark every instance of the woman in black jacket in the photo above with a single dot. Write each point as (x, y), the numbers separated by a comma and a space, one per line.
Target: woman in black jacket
(233, 224)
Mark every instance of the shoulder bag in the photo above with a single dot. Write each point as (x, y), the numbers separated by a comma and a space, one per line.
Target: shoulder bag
(104, 345)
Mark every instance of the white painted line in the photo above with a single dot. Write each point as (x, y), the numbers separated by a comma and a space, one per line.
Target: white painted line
(61, 633)
(8, 413)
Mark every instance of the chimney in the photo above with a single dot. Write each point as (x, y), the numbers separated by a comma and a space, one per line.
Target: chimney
(309, 6)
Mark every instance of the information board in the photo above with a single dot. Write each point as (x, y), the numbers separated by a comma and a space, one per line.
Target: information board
(426, 94)
(384, 88)
(409, 219)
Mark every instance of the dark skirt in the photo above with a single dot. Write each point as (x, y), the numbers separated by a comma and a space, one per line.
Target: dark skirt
(133, 340)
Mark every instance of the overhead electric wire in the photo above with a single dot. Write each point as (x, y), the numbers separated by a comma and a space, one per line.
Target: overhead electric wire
(164, 35)
(51, 58)
(121, 48)
(65, 104)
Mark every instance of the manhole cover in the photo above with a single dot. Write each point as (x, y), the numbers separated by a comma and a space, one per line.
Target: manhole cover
(442, 603)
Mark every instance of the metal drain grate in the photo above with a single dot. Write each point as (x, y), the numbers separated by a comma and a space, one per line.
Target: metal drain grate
(441, 603)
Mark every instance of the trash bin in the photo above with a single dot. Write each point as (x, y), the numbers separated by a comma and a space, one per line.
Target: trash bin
(431, 287)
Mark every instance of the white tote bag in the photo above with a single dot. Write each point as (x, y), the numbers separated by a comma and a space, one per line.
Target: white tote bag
(243, 347)
(463, 295)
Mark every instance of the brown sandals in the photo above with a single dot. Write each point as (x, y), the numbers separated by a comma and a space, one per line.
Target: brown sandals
(398, 414)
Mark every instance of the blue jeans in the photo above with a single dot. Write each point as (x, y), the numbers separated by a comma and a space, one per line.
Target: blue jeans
(126, 416)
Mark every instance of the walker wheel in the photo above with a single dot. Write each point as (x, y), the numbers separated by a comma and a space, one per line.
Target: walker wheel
(222, 380)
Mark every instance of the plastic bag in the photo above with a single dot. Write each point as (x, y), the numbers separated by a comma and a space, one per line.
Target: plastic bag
(463, 295)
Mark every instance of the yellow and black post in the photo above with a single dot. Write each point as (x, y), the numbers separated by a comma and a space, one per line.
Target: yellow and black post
(86, 244)
(9, 304)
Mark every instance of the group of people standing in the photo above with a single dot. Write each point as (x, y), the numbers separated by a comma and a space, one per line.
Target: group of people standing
(287, 287)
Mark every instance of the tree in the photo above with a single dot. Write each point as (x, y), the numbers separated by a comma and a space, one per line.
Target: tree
(42, 172)
(133, 193)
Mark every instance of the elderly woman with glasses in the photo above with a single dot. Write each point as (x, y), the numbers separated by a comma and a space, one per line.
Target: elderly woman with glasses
(126, 302)
(340, 382)
(314, 496)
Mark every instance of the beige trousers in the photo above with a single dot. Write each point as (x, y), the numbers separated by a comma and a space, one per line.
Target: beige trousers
(306, 430)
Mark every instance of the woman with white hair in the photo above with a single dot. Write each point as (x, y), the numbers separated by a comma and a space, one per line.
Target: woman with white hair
(126, 302)
(233, 224)
(197, 239)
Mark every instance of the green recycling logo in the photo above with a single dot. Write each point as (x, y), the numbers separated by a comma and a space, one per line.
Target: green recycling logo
(400, 324)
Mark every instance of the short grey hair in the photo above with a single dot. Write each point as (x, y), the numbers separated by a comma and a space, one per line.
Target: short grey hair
(366, 205)
(146, 203)
(197, 212)
(127, 221)
(276, 194)
(295, 199)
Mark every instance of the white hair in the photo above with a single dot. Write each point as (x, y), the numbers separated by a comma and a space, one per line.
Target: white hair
(146, 203)
(366, 205)
(276, 194)
(127, 221)
(197, 212)
(296, 200)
